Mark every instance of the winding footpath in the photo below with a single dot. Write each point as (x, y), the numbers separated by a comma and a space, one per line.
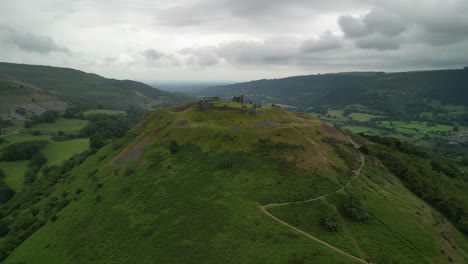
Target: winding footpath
(357, 174)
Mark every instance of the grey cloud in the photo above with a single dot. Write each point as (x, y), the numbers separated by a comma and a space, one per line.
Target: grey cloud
(384, 22)
(327, 41)
(377, 42)
(274, 51)
(155, 58)
(33, 43)
(377, 21)
(206, 56)
(153, 54)
(352, 27)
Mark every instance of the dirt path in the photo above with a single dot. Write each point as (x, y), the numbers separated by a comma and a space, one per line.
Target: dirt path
(357, 174)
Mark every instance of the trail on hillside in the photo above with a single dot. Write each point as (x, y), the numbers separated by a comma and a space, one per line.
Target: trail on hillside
(357, 174)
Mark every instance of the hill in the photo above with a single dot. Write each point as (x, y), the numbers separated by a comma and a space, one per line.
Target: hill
(77, 85)
(19, 100)
(427, 108)
(231, 185)
(387, 92)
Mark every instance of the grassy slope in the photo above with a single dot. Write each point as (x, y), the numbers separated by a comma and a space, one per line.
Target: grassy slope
(201, 205)
(402, 229)
(187, 208)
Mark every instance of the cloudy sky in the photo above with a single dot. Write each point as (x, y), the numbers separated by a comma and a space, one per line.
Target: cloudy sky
(234, 39)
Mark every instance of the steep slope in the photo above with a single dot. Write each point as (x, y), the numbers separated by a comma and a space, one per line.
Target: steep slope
(20, 100)
(188, 186)
(109, 93)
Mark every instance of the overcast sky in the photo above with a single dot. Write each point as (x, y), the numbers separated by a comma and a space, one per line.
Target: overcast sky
(234, 40)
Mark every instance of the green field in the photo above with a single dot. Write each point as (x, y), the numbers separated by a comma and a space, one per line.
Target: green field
(363, 117)
(414, 127)
(14, 173)
(22, 137)
(57, 152)
(69, 126)
(103, 111)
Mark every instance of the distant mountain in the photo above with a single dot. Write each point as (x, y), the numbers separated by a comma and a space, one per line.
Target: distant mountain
(386, 92)
(78, 85)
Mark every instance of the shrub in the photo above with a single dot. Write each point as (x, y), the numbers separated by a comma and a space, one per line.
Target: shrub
(355, 209)
(174, 147)
(330, 220)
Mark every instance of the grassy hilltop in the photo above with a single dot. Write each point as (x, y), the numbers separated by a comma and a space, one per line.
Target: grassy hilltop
(187, 186)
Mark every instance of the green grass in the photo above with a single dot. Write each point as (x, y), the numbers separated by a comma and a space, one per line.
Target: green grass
(336, 115)
(69, 126)
(187, 206)
(201, 202)
(308, 217)
(57, 152)
(14, 173)
(363, 117)
(22, 137)
(104, 111)
(402, 228)
(415, 126)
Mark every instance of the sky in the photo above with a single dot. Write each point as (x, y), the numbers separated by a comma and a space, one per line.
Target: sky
(224, 40)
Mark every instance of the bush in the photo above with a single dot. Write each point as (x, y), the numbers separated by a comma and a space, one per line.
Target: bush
(97, 141)
(37, 160)
(331, 221)
(355, 209)
(6, 193)
(174, 147)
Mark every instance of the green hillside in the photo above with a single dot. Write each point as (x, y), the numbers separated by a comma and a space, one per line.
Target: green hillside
(77, 85)
(227, 185)
(428, 108)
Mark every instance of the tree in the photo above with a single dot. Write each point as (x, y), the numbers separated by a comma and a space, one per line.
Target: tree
(354, 208)
(97, 141)
(2, 174)
(174, 147)
(330, 220)
(6, 193)
(37, 160)
(464, 160)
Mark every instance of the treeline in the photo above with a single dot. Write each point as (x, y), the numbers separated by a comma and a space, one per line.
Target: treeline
(6, 193)
(432, 178)
(26, 212)
(103, 128)
(49, 116)
(22, 150)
